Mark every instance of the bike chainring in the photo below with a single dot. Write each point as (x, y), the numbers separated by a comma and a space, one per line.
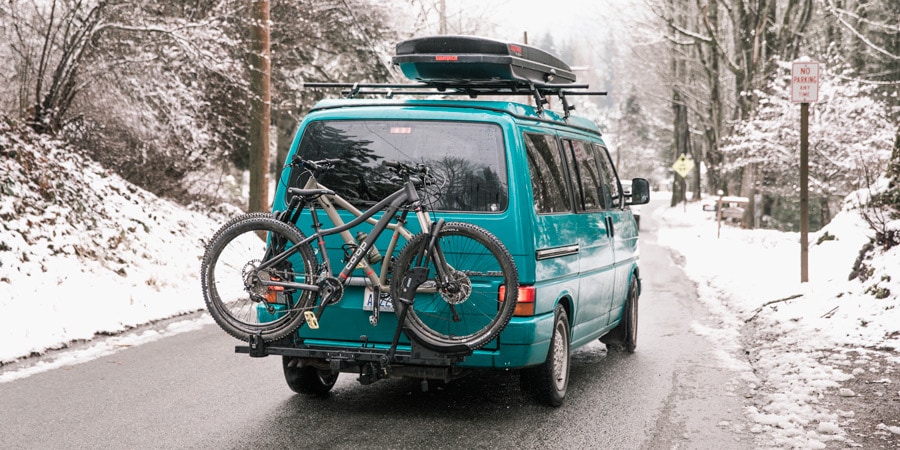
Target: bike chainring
(330, 290)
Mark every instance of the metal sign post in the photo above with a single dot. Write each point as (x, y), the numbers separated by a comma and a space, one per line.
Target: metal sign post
(683, 166)
(804, 90)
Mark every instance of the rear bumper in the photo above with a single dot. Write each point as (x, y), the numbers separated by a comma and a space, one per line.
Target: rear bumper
(524, 342)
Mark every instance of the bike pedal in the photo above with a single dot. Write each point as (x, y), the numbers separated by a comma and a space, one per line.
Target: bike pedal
(311, 320)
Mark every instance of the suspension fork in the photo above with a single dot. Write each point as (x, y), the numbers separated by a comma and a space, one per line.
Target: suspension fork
(320, 241)
(436, 253)
(417, 275)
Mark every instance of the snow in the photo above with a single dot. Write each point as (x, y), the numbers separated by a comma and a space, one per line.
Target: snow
(91, 256)
(807, 336)
(84, 253)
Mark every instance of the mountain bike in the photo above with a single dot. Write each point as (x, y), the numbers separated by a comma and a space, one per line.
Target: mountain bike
(453, 285)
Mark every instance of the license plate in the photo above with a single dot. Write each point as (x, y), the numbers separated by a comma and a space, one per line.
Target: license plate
(385, 304)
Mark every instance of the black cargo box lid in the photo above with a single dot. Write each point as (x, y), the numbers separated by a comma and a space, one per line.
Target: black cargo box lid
(470, 59)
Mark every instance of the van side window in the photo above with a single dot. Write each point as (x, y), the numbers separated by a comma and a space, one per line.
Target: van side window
(551, 195)
(610, 184)
(584, 174)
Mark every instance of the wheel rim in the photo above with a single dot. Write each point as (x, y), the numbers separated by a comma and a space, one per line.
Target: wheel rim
(560, 358)
(327, 377)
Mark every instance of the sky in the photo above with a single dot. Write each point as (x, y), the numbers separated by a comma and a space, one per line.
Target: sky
(563, 18)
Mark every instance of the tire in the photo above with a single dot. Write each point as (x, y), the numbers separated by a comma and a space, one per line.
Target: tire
(549, 381)
(308, 380)
(227, 276)
(624, 335)
(482, 263)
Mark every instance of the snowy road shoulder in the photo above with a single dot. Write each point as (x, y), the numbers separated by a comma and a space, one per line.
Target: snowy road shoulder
(820, 359)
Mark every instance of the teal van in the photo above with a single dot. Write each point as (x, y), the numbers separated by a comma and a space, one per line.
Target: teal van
(540, 181)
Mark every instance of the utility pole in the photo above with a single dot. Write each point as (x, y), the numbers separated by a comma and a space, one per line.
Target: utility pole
(260, 106)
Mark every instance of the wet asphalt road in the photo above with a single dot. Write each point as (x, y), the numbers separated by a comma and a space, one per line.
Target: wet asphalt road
(191, 391)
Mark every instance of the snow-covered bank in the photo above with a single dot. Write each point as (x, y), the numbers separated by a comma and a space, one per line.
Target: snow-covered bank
(803, 341)
(82, 252)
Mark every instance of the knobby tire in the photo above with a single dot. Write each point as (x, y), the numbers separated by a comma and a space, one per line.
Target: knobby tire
(230, 280)
(478, 260)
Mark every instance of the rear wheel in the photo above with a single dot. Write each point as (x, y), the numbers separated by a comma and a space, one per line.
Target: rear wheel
(474, 303)
(549, 381)
(235, 280)
(307, 380)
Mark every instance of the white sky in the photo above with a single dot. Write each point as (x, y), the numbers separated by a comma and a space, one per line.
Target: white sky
(558, 17)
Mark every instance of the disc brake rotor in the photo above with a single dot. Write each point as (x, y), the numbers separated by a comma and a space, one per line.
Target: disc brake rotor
(458, 289)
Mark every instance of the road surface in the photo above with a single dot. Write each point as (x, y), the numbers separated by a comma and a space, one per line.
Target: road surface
(191, 390)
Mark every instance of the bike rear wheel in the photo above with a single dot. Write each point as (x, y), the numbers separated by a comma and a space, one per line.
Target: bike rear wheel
(474, 306)
(232, 279)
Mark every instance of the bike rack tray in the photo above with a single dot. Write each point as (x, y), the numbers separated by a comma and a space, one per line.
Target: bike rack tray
(351, 355)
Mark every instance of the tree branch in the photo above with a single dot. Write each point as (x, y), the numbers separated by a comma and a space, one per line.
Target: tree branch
(835, 12)
(772, 302)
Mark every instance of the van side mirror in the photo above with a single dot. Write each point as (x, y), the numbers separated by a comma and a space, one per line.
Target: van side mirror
(640, 192)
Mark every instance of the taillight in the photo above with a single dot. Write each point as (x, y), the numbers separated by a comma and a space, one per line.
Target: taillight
(272, 292)
(525, 302)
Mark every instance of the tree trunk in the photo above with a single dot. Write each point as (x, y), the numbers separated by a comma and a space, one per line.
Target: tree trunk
(682, 139)
(260, 104)
(714, 159)
(748, 189)
(824, 212)
(696, 180)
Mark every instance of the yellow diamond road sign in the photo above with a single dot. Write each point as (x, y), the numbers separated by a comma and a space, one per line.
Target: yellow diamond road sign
(683, 166)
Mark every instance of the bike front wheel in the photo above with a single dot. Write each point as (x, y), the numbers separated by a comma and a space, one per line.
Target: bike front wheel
(236, 275)
(472, 304)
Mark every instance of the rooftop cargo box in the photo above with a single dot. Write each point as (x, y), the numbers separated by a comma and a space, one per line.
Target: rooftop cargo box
(469, 59)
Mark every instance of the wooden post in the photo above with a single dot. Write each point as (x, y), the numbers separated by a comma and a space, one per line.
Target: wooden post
(804, 90)
(719, 218)
(260, 107)
(804, 192)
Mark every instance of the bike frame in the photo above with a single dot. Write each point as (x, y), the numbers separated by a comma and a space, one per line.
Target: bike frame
(407, 195)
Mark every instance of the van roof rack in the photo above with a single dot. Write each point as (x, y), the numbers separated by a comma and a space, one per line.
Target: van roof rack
(474, 66)
(538, 91)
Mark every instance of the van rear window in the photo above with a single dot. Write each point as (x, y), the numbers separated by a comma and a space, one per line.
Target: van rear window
(466, 160)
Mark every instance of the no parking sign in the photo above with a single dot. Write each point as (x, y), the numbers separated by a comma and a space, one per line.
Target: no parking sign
(805, 82)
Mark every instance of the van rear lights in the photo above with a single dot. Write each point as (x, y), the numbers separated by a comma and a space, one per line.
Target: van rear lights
(272, 292)
(525, 303)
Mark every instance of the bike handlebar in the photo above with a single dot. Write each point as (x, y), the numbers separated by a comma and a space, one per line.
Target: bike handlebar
(314, 165)
(406, 169)
(396, 166)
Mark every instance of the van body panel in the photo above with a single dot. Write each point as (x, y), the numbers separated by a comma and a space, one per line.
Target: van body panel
(626, 247)
(584, 257)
